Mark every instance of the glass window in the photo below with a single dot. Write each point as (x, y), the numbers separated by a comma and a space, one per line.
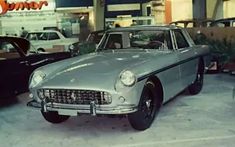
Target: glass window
(8, 51)
(32, 36)
(146, 39)
(233, 23)
(114, 41)
(223, 24)
(180, 39)
(151, 39)
(53, 36)
(42, 36)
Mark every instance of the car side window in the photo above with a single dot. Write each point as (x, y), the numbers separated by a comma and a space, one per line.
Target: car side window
(53, 36)
(43, 36)
(8, 51)
(180, 39)
(114, 41)
(233, 24)
(220, 24)
(168, 40)
(223, 24)
(31, 36)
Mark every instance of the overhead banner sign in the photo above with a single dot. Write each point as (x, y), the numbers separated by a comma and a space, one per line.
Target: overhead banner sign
(16, 6)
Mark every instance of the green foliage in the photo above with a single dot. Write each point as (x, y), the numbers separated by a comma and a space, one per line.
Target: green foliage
(223, 50)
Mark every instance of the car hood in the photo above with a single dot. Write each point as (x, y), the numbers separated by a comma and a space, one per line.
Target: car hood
(97, 68)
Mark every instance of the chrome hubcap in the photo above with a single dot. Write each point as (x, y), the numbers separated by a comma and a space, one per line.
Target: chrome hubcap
(148, 103)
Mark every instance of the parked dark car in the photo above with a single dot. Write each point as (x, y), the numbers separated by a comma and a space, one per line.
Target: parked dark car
(225, 22)
(193, 23)
(17, 63)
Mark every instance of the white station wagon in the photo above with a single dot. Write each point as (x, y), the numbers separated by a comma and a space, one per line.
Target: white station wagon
(47, 40)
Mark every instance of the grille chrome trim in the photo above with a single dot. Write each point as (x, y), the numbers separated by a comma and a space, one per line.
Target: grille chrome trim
(75, 96)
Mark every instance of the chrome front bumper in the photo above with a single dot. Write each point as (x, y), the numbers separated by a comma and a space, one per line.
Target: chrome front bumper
(74, 110)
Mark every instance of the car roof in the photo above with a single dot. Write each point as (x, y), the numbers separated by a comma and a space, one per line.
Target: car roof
(223, 20)
(192, 20)
(43, 31)
(145, 27)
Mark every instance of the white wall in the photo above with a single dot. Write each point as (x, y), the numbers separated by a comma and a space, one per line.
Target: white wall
(31, 20)
(229, 8)
(182, 10)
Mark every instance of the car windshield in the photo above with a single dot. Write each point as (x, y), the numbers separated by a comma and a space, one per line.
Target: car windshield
(37, 36)
(135, 39)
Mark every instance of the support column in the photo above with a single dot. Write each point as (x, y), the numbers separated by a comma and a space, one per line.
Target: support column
(199, 9)
(99, 6)
(218, 11)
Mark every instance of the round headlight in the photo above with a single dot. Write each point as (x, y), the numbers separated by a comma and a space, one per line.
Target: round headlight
(127, 78)
(37, 77)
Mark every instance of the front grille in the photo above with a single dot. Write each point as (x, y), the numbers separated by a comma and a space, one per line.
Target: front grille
(65, 96)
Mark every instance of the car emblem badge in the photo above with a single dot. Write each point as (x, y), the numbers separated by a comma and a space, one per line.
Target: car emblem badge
(73, 96)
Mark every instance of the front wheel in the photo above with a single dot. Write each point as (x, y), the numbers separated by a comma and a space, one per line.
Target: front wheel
(197, 85)
(41, 50)
(54, 117)
(149, 105)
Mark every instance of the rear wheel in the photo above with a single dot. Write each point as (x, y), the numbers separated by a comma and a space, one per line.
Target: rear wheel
(41, 50)
(149, 105)
(54, 117)
(197, 85)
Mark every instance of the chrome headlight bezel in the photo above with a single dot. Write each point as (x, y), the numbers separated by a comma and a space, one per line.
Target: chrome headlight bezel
(37, 78)
(127, 78)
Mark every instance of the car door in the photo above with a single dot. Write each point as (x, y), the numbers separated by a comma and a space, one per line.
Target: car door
(43, 41)
(54, 39)
(186, 54)
(171, 77)
(13, 67)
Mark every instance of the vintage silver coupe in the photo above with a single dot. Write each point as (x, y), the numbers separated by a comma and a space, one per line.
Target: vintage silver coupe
(133, 72)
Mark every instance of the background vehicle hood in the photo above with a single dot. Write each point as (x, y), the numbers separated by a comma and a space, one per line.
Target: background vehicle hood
(97, 68)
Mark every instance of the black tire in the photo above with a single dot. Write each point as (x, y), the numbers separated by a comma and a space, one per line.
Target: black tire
(41, 50)
(197, 85)
(148, 106)
(54, 117)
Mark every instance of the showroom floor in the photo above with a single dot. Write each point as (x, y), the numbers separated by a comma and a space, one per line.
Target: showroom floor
(206, 119)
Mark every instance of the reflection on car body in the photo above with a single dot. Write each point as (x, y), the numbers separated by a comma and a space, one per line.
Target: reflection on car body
(149, 66)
